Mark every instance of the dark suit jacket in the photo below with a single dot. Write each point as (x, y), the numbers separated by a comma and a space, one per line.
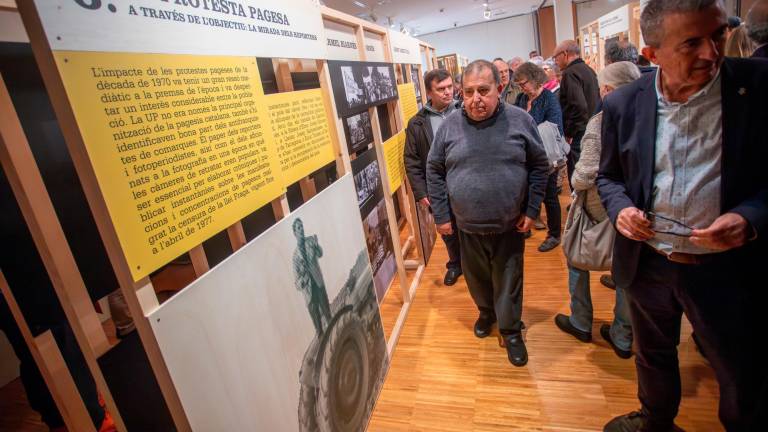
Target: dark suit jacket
(625, 178)
(761, 52)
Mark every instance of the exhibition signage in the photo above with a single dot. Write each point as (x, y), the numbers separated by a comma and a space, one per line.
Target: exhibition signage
(615, 22)
(264, 28)
(405, 49)
(183, 146)
(341, 41)
(374, 47)
(300, 130)
(408, 105)
(393, 155)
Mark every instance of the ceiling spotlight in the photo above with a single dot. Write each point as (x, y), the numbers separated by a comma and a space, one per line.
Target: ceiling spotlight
(391, 24)
(485, 4)
(487, 13)
(358, 4)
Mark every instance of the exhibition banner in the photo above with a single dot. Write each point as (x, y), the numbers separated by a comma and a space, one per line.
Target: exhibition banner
(374, 47)
(341, 41)
(393, 155)
(614, 22)
(285, 334)
(180, 145)
(263, 28)
(408, 105)
(301, 133)
(405, 49)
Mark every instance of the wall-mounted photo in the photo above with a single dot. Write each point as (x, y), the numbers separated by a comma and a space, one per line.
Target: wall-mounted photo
(415, 79)
(357, 129)
(360, 85)
(365, 169)
(427, 229)
(381, 253)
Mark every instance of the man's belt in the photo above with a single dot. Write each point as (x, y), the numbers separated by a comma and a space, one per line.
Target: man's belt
(686, 258)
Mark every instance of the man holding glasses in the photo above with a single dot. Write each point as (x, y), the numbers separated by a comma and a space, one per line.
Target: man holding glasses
(579, 96)
(682, 177)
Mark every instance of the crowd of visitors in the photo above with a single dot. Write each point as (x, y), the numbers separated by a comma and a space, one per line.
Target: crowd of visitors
(664, 153)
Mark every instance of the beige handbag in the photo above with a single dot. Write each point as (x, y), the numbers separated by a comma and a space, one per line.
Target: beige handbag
(587, 245)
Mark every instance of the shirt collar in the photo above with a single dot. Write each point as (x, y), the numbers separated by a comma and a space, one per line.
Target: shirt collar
(431, 110)
(701, 93)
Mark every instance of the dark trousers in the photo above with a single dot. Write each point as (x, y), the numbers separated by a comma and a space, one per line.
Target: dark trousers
(574, 156)
(721, 303)
(38, 395)
(452, 244)
(493, 269)
(552, 204)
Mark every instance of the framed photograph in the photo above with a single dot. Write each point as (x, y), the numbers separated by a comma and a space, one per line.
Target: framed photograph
(416, 81)
(427, 230)
(358, 131)
(360, 85)
(365, 169)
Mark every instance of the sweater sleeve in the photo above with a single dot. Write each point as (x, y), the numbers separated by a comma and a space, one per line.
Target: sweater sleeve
(437, 185)
(538, 168)
(585, 172)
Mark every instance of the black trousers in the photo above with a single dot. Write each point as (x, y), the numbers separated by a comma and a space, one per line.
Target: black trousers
(452, 244)
(493, 269)
(722, 305)
(552, 204)
(574, 156)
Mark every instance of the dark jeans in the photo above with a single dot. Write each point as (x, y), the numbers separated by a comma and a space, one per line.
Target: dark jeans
(722, 305)
(552, 204)
(574, 156)
(38, 395)
(452, 244)
(493, 269)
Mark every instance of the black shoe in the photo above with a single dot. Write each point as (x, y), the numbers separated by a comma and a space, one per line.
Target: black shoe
(527, 235)
(451, 276)
(607, 281)
(516, 351)
(549, 244)
(564, 323)
(483, 325)
(636, 421)
(605, 332)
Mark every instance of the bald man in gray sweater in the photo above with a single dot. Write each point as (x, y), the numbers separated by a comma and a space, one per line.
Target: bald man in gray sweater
(488, 165)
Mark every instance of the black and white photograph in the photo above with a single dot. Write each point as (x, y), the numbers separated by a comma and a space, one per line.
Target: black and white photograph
(415, 80)
(380, 248)
(357, 129)
(360, 85)
(365, 169)
(427, 229)
(293, 338)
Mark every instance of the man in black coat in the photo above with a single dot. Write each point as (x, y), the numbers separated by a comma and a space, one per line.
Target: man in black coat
(579, 96)
(418, 140)
(682, 177)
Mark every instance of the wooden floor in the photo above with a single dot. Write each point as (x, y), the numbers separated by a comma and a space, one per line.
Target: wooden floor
(442, 378)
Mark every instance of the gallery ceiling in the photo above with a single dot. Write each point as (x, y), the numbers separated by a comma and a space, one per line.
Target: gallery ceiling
(429, 16)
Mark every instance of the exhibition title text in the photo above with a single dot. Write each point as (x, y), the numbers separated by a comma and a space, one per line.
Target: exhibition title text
(228, 7)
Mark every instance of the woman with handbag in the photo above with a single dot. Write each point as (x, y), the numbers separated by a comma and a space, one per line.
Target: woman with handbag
(588, 238)
(543, 106)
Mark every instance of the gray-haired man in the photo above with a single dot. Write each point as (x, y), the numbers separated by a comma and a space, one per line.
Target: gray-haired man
(488, 160)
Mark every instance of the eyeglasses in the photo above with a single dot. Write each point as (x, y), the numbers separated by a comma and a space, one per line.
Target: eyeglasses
(521, 83)
(556, 55)
(664, 225)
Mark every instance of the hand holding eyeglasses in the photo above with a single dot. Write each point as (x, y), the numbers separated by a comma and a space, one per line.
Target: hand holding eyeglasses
(633, 224)
(728, 231)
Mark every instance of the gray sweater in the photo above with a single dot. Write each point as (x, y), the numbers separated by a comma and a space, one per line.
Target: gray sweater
(487, 173)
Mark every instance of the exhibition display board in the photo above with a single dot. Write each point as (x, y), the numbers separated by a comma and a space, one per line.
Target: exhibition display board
(181, 121)
(622, 24)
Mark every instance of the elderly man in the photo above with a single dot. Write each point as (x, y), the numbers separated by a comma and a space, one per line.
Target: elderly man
(579, 96)
(682, 178)
(418, 140)
(757, 26)
(510, 90)
(488, 161)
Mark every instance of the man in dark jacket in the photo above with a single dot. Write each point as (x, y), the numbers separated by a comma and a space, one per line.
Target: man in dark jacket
(757, 27)
(418, 139)
(488, 161)
(579, 96)
(682, 178)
